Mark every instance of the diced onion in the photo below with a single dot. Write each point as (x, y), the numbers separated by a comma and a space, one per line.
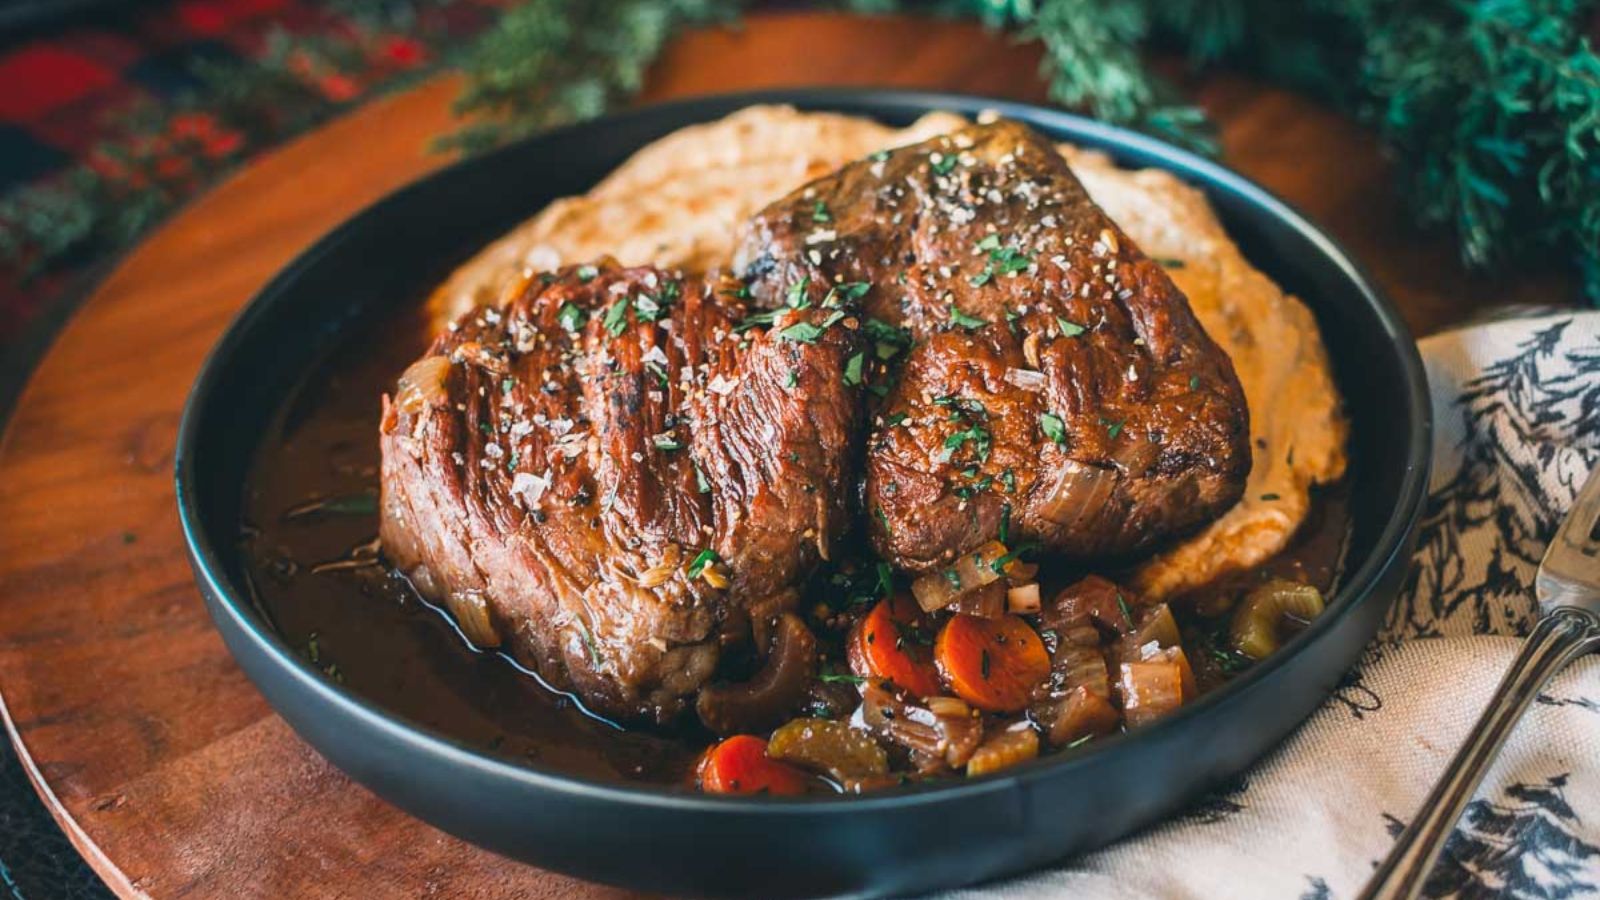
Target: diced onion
(1082, 715)
(987, 602)
(1003, 750)
(1024, 599)
(1027, 379)
(948, 706)
(422, 384)
(1150, 690)
(1083, 667)
(970, 571)
(1079, 494)
(471, 612)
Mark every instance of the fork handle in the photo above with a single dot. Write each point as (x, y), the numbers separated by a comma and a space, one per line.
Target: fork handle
(1560, 637)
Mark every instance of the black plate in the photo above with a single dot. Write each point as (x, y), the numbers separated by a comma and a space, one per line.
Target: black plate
(897, 842)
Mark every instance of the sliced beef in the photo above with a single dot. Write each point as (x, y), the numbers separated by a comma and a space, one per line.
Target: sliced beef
(613, 476)
(1060, 390)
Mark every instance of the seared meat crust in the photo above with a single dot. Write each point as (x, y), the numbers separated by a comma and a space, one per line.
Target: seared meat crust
(557, 470)
(1060, 390)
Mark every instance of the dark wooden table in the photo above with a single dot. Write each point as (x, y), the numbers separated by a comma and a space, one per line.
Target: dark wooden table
(167, 770)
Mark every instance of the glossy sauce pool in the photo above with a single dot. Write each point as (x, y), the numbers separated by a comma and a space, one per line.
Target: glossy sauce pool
(309, 538)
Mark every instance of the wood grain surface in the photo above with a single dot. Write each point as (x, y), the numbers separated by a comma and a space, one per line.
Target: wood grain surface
(167, 769)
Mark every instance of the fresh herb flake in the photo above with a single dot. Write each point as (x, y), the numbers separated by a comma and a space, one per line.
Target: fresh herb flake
(852, 369)
(616, 320)
(1053, 428)
(801, 333)
(796, 296)
(1069, 329)
(962, 319)
(701, 560)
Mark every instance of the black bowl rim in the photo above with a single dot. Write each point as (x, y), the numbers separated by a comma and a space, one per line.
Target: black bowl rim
(210, 568)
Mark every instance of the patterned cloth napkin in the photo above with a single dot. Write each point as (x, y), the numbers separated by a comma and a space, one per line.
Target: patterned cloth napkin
(1517, 413)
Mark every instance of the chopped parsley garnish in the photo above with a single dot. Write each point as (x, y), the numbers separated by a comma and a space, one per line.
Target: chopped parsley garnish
(1113, 427)
(943, 164)
(701, 560)
(853, 290)
(1269, 496)
(1009, 479)
(1230, 661)
(852, 369)
(658, 372)
(1069, 329)
(883, 518)
(792, 379)
(588, 641)
(1010, 260)
(1000, 562)
(1053, 428)
(646, 308)
(796, 297)
(616, 320)
(1171, 263)
(965, 321)
(801, 332)
(1002, 260)
(571, 316)
(755, 320)
(819, 213)
(506, 384)
(977, 435)
(879, 156)
(1127, 614)
(840, 678)
(888, 339)
(885, 580)
(1005, 521)
(895, 419)
(587, 273)
(954, 577)
(1194, 382)
(667, 442)
(1079, 742)
(700, 482)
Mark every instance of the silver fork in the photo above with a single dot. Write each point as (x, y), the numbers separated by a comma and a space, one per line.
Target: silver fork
(1568, 587)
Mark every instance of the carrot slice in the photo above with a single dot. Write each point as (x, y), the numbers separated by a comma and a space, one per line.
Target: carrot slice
(993, 664)
(740, 765)
(893, 643)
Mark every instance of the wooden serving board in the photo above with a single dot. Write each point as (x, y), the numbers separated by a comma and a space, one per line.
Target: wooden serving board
(163, 764)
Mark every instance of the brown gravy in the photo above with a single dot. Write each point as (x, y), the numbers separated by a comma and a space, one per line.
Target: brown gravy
(309, 536)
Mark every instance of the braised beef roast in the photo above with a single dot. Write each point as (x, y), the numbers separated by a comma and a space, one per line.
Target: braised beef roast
(1059, 390)
(618, 474)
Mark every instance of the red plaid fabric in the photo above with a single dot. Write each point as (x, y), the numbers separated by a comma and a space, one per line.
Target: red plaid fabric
(74, 97)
